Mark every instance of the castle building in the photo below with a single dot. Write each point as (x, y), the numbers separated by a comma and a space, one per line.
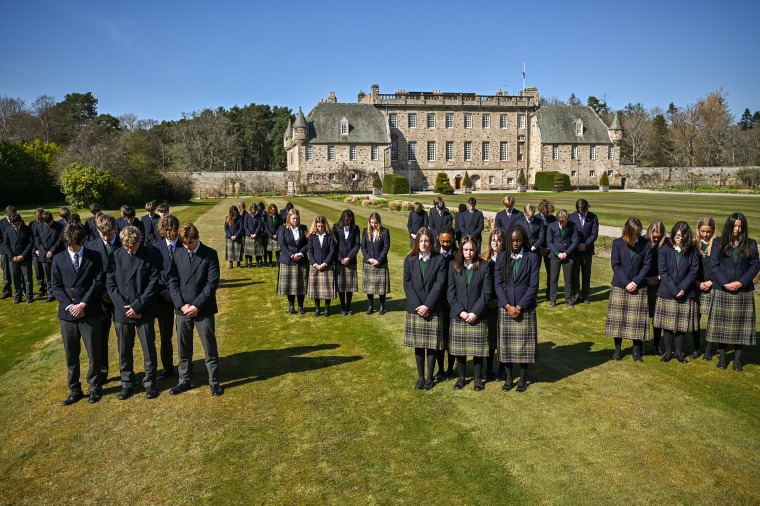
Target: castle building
(340, 146)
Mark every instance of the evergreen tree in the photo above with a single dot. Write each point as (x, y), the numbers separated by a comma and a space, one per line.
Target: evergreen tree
(573, 100)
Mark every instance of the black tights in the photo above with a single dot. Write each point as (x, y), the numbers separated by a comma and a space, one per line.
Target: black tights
(638, 345)
(452, 358)
(345, 300)
(419, 356)
(371, 298)
(292, 299)
(462, 364)
(738, 348)
(668, 338)
(657, 332)
(523, 372)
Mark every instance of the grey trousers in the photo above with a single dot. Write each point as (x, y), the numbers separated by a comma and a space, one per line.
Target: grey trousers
(206, 327)
(567, 267)
(88, 330)
(126, 337)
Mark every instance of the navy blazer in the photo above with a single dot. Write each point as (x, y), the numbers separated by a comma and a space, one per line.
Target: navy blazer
(18, 243)
(626, 269)
(162, 250)
(347, 248)
(134, 283)
(522, 289)
(725, 271)
(428, 292)
(99, 246)
(49, 238)
(471, 223)
(150, 223)
(84, 285)
(473, 299)
(91, 229)
(235, 229)
(289, 246)
(415, 222)
(436, 220)
(705, 270)
(321, 254)
(558, 244)
(378, 249)
(654, 267)
(674, 279)
(505, 222)
(195, 282)
(588, 232)
(123, 223)
(536, 231)
(271, 225)
(252, 225)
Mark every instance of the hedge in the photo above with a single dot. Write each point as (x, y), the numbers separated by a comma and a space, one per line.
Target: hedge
(395, 184)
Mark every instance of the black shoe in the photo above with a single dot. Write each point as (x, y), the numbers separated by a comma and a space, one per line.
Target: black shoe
(343, 312)
(657, 351)
(666, 358)
(522, 386)
(17, 301)
(50, 299)
(300, 310)
(125, 393)
(291, 310)
(166, 374)
(616, 356)
(72, 398)
(707, 357)
(151, 393)
(508, 385)
(681, 358)
(586, 301)
(29, 300)
(552, 304)
(370, 310)
(695, 355)
(438, 376)
(722, 364)
(428, 384)
(94, 396)
(7, 295)
(420, 384)
(489, 376)
(637, 357)
(216, 390)
(382, 309)
(181, 387)
(316, 313)
(459, 384)
(569, 304)
(326, 314)
(449, 375)
(738, 367)
(479, 385)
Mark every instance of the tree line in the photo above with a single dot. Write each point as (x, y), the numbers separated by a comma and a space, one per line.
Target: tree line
(126, 158)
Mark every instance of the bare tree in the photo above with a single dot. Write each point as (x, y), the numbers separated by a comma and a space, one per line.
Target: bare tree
(42, 108)
(685, 124)
(203, 142)
(128, 121)
(637, 128)
(10, 111)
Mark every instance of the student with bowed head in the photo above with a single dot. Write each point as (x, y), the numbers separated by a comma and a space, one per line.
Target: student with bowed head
(706, 231)
(233, 235)
(656, 238)
(376, 280)
(348, 238)
(734, 264)
(561, 239)
(322, 259)
(418, 218)
(293, 276)
(628, 310)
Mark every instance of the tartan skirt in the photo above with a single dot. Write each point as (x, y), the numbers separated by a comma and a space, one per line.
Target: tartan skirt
(518, 338)
(627, 314)
(705, 302)
(292, 279)
(346, 278)
(273, 245)
(321, 284)
(652, 298)
(423, 332)
(676, 316)
(468, 339)
(731, 319)
(376, 280)
(253, 247)
(491, 316)
(233, 250)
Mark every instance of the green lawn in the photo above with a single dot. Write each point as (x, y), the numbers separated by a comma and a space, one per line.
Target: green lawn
(324, 410)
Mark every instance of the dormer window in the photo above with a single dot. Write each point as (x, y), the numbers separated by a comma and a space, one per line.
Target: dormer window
(344, 126)
(578, 127)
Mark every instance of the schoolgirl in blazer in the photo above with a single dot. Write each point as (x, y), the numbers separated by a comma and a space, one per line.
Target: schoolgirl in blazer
(289, 246)
(427, 292)
(522, 289)
(676, 277)
(627, 268)
(376, 249)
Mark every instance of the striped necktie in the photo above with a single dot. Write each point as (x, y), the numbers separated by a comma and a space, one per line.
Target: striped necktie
(76, 262)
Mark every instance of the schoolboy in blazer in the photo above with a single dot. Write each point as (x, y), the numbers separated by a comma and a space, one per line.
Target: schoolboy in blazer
(166, 248)
(534, 228)
(77, 282)
(49, 242)
(18, 243)
(561, 241)
(587, 225)
(39, 273)
(150, 224)
(132, 284)
(438, 216)
(418, 218)
(508, 216)
(193, 281)
(471, 221)
(89, 225)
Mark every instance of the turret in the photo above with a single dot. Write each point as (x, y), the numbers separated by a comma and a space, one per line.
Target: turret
(288, 137)
(300, 129)
(616, 130)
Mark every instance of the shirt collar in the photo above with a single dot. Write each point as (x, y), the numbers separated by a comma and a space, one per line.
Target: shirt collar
(424, 258)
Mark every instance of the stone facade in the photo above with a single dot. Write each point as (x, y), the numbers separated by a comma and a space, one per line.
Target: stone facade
(212, 184)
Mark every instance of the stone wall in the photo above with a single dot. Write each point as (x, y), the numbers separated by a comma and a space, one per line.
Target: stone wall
(212, 184)
(636, 177)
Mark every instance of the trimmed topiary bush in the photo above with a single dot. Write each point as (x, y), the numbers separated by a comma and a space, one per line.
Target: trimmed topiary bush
(443, 184)
(395, 184)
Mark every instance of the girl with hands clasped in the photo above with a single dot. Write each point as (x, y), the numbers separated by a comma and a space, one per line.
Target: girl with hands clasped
(322, 252)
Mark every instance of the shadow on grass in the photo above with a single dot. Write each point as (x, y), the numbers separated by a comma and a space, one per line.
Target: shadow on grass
(230, 283)
(259, 365)
(391, 304)
(555, 363)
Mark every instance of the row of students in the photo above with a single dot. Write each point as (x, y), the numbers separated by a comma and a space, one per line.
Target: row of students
(675, 281)
(251, 235)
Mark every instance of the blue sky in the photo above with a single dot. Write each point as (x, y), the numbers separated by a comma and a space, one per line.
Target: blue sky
(158, 59)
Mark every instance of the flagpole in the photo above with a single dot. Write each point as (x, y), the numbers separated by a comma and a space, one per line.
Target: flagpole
(523, 75)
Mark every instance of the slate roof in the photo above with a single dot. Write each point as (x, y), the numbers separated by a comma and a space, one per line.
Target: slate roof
(366, 124)
(557, 125)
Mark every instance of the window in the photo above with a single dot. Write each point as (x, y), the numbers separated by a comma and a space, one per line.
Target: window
(486, 121)
(449, 151)
(578, 127)
(520, 121)
(309, 153)
(609, 173)
(468, 120)
(412, 120)
(344, 127)
(510, 181)
(503, 123)
(412, 151)
(331, 153)
(449, 120)
(591, 173)
(555, 152)
(331, 177)
(394, 151)
(592, 153)
(431, 120)
(521, 138)
(574, 173)
(393, 120)
(354, 176)
(491, 180)
(574, 153)
(486, 151)
(468, 151)
(309, 178)
(610, 153)
(503, 151)
(373, 156)
(431, 151)
(352, 153)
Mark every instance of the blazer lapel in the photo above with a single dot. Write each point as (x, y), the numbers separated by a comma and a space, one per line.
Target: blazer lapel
(134, 264)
